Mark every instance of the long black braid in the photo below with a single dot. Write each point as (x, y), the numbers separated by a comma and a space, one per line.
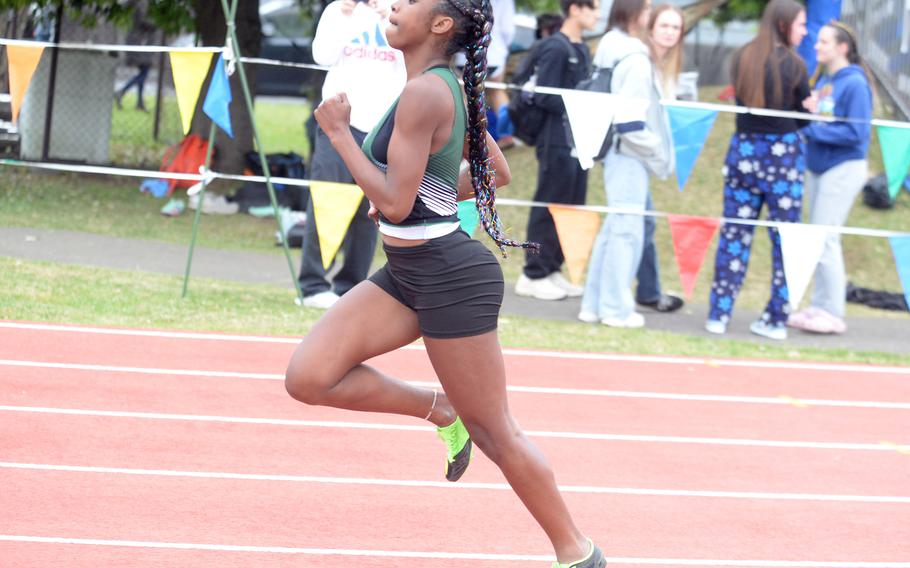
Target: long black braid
(474, 22)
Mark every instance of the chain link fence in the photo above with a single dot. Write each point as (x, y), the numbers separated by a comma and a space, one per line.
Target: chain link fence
(72, 111)
(883, 27)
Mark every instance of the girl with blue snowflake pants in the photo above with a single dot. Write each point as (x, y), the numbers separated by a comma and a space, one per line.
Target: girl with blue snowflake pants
(760, 169)
(765, 163)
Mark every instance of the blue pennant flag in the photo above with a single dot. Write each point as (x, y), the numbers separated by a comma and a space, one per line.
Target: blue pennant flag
(218, 99)
(691, 127)
(900, 246)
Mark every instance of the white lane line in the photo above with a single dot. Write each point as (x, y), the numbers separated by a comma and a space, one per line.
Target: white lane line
(140, 370)
(779, 401)
(400, 427)
(584, 489)
(150, 333)
(833, 367)
(427, 555)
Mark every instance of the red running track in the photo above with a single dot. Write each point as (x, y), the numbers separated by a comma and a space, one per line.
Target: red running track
(164, 460)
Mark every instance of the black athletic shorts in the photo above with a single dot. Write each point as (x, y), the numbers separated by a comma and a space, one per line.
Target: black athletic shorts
(454, 283)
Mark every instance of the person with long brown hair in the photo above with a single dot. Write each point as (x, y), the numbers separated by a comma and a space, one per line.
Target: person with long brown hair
(836, 160)
(665, 42)
(764, 165)
(643, 148)
(438, 283)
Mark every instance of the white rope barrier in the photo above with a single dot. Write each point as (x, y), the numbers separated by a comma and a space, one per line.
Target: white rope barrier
(738, 109)
(208, 175)
(109, 47)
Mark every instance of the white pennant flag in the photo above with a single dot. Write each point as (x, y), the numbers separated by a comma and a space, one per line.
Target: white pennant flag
(802, 247)
(590, 116)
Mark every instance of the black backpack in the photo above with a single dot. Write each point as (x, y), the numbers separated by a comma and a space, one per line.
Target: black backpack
(876, 194)
(600, 81)
(528, 118)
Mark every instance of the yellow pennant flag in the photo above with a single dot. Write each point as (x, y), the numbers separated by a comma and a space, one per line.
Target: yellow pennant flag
(334, 205)
(189, 69)
(23, 60)
(577, 230)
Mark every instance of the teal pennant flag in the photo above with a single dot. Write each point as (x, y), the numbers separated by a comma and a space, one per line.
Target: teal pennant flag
(468, 216)
(895, 143)
(900, 246)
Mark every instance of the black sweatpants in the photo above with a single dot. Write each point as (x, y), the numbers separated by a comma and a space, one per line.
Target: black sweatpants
(560, 179)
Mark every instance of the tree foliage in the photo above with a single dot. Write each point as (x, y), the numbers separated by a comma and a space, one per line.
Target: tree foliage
(739, 10)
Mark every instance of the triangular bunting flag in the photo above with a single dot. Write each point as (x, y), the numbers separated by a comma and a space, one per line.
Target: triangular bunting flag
(691, 239)
(468, 216)
(802, 247)
(218, 100)
(900, 246)
(577, 230)
(895, 143)
(690, 127)
(589, 129)
(334, 205)
(189, 69)
(23, 60)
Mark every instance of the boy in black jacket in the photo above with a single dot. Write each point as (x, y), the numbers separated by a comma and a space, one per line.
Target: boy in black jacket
(563, 61)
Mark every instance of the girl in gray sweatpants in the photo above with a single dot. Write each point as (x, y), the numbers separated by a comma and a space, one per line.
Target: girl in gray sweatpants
(836, 160)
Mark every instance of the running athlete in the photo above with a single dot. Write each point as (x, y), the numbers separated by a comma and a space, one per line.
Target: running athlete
(438, 284)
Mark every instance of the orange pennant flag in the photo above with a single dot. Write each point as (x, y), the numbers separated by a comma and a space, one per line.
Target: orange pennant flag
(577, 230)
(691, 239)
(23, 60)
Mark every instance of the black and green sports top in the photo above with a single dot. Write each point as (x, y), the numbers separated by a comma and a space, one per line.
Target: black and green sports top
(436, 195)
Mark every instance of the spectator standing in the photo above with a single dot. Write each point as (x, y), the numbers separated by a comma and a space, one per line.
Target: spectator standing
(643, 146)
(497, 56)
(142, 32)
(351, 40)
(837, 168)
(665, 34)
(547, 25)
(563, 61)
(764, 164)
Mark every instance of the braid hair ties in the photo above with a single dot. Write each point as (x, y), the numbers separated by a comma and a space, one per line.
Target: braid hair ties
(483, 177)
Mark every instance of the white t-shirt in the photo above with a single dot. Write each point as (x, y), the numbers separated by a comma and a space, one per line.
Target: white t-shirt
(362, 64)
(502, 34)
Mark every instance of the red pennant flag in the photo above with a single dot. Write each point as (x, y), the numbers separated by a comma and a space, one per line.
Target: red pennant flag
(691, 238)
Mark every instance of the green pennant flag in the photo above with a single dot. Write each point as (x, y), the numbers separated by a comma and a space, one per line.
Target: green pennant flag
(895, 143)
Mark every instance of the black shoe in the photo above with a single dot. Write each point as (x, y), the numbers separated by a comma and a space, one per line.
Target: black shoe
(594, 559)
(665, 304)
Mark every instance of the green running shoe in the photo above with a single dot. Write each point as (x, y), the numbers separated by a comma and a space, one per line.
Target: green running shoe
(594, 559)
(458, 446)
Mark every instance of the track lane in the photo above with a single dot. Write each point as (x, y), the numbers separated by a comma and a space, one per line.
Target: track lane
(696, 377)
(274, 450)
(546, 412)
(288, 514)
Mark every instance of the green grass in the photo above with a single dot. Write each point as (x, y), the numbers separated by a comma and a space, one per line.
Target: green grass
(42, 291)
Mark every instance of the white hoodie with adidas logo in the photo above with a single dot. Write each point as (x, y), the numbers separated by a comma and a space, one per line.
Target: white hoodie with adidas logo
(361, 63)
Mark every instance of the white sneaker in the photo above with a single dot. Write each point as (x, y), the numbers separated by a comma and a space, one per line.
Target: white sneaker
(633, 320)
(571, 290)
(213, 204)
(764, 329)
(540, 288)
(588, 317)
(322, 300)
(716, 327)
